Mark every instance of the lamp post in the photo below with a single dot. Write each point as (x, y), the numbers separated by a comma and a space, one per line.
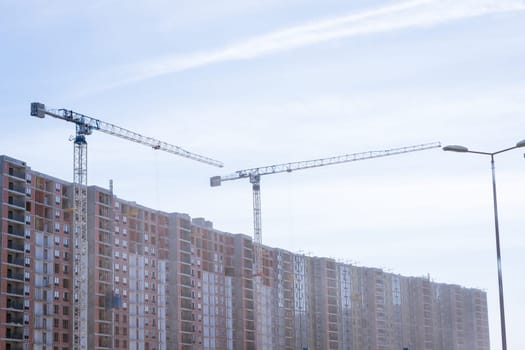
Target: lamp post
(462, 149)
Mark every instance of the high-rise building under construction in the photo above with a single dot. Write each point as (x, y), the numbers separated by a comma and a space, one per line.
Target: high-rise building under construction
(160, 280)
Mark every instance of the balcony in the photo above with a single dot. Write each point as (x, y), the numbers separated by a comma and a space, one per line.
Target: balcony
(11, 333)
(47, 199)
(44, 212)
(15, 260)
(14, 245)
(14, 216)
(17, 202)
(16, 230)
(15, 290)
(41, 282)
(16, 346)
(18, 188)
(17, 172)
(14, 319)
(40, 323)
(15, 304)
(18, 276)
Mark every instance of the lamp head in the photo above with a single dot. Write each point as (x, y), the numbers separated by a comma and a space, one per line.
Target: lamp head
(520, 144)
(457, 148)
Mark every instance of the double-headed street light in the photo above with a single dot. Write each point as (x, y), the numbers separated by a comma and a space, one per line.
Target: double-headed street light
(456, 148)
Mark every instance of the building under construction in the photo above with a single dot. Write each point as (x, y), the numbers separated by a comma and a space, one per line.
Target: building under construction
(162, 280)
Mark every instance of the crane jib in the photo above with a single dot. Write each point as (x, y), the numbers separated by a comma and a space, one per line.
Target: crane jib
(85, 125)
(315, 163)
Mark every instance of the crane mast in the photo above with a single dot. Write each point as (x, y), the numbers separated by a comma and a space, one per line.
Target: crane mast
(254, 175)
(80, 247)
(85, 126)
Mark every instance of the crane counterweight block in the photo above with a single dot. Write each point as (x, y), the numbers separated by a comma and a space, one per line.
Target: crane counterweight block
(215, 181)
(38, 110)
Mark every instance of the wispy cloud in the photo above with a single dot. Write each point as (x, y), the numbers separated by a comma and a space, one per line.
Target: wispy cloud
(398, 16)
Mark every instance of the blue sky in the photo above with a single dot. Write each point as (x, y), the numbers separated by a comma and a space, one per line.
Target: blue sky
(255, 83)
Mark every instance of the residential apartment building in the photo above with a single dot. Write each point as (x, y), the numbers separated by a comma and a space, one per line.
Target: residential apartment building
(128, 252)
(160, 280)
(35, 259)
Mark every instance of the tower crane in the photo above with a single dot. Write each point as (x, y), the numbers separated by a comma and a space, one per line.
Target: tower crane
(254, 175)
(85, 126)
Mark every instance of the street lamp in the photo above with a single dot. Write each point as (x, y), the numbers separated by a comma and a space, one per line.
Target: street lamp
(463, 149)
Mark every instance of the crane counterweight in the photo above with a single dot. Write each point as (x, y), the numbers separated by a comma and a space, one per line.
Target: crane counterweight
(38, 110)
(215, 181)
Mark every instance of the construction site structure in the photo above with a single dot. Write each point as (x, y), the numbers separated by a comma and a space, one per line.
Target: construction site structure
(180, 283)
(254, 175)
(85, 125)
